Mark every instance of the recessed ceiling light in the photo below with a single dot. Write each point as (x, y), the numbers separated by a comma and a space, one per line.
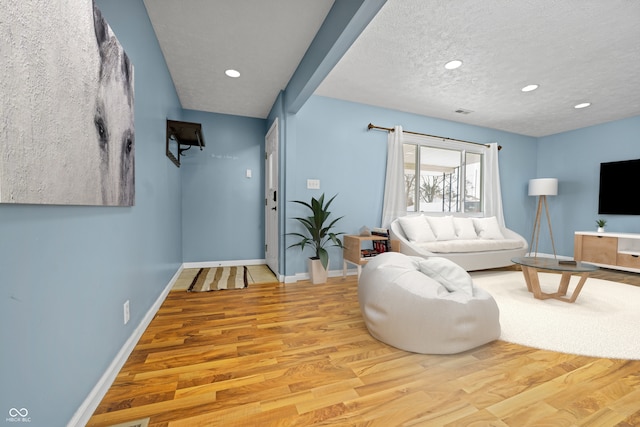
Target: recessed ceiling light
(529, 88)
(452, 65)
(232, 73)
(583, 105)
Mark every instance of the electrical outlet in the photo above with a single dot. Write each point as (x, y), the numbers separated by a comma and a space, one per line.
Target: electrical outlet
(126, 312)
(313, 184)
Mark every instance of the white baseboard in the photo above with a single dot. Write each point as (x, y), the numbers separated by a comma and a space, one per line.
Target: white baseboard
(210, 264)
(305, 276)
(88, 407)
(236, 263)
(282, 278)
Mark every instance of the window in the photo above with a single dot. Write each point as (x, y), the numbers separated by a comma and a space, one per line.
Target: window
(439, 179)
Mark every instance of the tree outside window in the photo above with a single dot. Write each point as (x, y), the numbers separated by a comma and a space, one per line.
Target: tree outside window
(441, 173)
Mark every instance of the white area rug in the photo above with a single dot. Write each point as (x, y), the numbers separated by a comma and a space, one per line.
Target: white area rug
(603, 322)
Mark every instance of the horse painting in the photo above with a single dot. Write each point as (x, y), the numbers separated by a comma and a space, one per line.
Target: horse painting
(114, 117)
(66, 107)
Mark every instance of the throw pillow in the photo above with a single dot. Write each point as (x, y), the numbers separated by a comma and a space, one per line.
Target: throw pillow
(447, 273)
(416, 228)
(465, 230)
(488, 228)
(442, 227)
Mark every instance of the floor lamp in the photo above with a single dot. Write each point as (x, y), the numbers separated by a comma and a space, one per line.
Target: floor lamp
(542, 187)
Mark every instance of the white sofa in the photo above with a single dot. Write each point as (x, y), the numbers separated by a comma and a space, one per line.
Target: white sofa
(425, 305)
(472, 243)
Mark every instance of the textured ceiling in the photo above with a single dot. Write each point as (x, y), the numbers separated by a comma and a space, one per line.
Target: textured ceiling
(576, 50)
(264, 40)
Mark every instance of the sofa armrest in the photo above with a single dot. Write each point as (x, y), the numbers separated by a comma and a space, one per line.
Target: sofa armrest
(510, 234)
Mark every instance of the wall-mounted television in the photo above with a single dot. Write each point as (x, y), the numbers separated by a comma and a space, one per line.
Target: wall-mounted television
(619, 193)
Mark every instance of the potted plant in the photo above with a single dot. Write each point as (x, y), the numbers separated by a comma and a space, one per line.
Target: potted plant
(601, 223)
(318, 233)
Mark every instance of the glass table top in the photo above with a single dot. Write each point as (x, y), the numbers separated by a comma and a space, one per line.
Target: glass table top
(554, 264)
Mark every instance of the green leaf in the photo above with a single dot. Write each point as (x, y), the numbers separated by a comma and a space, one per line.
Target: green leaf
(324, 257)
(318, 227)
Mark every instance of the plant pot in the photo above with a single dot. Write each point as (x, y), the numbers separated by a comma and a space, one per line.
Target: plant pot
(600, 229)
(317, 273)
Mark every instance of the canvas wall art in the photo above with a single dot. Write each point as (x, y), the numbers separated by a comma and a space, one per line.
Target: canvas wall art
(66, 107)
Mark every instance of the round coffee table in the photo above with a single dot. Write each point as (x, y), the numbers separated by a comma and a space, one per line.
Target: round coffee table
(531, 266)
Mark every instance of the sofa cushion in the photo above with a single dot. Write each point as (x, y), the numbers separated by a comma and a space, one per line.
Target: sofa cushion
(464, 228)
(475, 245)
(488, 228)
(442, 227)
(447, 273)
(416, 228)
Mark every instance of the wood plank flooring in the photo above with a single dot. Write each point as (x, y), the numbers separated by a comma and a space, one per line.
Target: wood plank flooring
(300, 355)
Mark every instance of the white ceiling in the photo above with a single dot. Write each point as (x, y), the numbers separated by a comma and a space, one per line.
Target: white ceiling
(576, 50)
(263, 39)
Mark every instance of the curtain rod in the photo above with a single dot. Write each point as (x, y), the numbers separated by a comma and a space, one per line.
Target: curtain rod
(372, 126)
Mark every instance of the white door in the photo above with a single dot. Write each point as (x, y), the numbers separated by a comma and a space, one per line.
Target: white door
(271, 198)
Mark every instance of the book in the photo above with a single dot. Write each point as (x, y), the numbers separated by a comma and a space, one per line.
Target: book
(365, 253)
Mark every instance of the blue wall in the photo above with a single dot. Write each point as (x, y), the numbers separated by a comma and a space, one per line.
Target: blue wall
(574, 158)
(66, 271)
(332, 144)
(328, 140)
(222, 209)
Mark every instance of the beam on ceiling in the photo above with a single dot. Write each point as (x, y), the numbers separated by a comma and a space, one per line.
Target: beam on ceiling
(342, 26)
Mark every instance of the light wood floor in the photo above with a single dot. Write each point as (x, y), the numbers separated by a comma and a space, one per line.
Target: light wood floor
(300, 355)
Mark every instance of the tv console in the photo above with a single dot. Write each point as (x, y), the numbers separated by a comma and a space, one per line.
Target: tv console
(620, 251)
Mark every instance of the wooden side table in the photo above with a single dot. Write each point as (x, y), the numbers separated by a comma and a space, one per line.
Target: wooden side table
(352, 251)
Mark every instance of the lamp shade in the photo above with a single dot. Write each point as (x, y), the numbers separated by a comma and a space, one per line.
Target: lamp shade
(543, 187)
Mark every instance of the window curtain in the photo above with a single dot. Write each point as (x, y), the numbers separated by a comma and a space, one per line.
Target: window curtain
(493, 193)
(395, 199)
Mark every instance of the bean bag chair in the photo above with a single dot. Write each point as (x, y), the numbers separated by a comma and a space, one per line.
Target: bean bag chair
(425, 305)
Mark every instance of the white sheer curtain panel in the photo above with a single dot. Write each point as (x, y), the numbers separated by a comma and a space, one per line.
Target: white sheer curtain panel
(493, 194)
(395, 200)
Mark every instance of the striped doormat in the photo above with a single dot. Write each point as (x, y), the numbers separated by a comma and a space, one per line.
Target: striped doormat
(219, 278)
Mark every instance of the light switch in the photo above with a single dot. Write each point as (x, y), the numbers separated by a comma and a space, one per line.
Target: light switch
(248, 174)
(313, 184)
